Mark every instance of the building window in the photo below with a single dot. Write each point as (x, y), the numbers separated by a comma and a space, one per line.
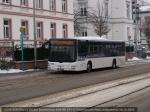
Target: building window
(83, 11)
(53, 30)
(128, 9)
(24, 25)
(39, 30)
(106, 8)
(24, 3)
(65, 31)
(7, 28)
(64, 6)
(52, 5)
(39, 4)
(7, 2)
(84, 33)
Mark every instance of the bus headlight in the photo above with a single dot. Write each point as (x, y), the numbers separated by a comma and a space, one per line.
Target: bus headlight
(51, 63)
(81, 59)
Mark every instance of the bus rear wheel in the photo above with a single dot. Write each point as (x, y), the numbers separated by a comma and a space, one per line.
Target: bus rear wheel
(89, 67)
(114, 64)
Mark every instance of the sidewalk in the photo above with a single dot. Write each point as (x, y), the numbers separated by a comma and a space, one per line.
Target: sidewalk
(11, 76)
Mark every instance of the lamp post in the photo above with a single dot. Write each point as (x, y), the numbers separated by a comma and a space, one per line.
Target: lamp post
(129, 37)
(34, 30)
(136, 26)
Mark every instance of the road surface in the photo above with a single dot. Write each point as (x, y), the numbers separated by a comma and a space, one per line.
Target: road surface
(140, 99)
(50, 83)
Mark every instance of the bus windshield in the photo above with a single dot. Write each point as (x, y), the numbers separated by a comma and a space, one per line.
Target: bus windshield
(62, 53)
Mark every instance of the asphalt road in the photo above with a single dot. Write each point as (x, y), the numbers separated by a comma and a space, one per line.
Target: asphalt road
(49, 83)
(140, 99)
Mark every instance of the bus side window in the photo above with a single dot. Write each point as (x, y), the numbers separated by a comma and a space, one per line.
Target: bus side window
(101, 50)
(82, 49)
(90, 50)
(95, 50)
(112, 50)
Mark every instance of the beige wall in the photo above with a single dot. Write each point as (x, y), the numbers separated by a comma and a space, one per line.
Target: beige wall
(17, 13)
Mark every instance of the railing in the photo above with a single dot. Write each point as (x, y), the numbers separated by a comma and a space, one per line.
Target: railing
(6, 50)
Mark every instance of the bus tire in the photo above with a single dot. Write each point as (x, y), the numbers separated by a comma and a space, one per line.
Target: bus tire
(89, 67)
(114, 64)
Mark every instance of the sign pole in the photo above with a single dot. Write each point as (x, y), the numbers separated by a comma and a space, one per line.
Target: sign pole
(22, 49)
(129, 37)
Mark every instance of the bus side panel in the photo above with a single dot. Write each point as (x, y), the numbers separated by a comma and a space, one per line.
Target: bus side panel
(106, 61)
(101, 62)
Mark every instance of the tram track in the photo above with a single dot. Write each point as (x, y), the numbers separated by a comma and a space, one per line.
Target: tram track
(87, 96)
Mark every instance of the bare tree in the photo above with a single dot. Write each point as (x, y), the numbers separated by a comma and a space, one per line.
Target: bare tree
(145, 29)
(99, 20)
(94, 16)
(77, 24)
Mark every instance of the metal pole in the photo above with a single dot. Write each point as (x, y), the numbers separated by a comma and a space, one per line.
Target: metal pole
(35, 42)
(13, 50)
(129, 44)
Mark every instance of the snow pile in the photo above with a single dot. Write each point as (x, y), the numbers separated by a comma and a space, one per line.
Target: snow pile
(148, 58)
(134, 59)
(10, 71)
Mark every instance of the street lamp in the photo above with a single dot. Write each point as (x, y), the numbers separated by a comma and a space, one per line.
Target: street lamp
(34, 30)
(129, 37)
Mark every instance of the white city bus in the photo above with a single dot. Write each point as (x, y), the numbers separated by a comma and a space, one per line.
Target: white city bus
(83, 53)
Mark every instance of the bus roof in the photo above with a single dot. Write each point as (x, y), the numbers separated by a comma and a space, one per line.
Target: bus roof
(90, 38)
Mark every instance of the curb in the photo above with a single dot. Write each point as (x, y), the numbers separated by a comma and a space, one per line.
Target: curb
(21, 75)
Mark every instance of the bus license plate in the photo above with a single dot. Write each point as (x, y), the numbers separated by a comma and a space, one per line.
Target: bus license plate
(60, 69)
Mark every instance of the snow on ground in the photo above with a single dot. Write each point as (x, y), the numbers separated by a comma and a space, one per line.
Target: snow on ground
(138, 59)
(134, 59)
(148, 57)
(13, 71)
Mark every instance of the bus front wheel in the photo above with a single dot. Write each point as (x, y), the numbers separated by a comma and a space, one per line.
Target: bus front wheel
(89, 67)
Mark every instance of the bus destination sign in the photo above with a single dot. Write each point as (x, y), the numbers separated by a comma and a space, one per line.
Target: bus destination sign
(62, 42)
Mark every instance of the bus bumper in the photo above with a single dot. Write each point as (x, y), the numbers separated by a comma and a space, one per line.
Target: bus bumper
(65, 66)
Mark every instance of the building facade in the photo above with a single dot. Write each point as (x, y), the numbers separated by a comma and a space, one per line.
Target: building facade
(119, 13)
(54, 19)
(144, 17)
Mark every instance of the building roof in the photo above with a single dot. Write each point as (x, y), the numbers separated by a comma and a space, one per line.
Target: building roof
(94, 38)
(145, 8)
